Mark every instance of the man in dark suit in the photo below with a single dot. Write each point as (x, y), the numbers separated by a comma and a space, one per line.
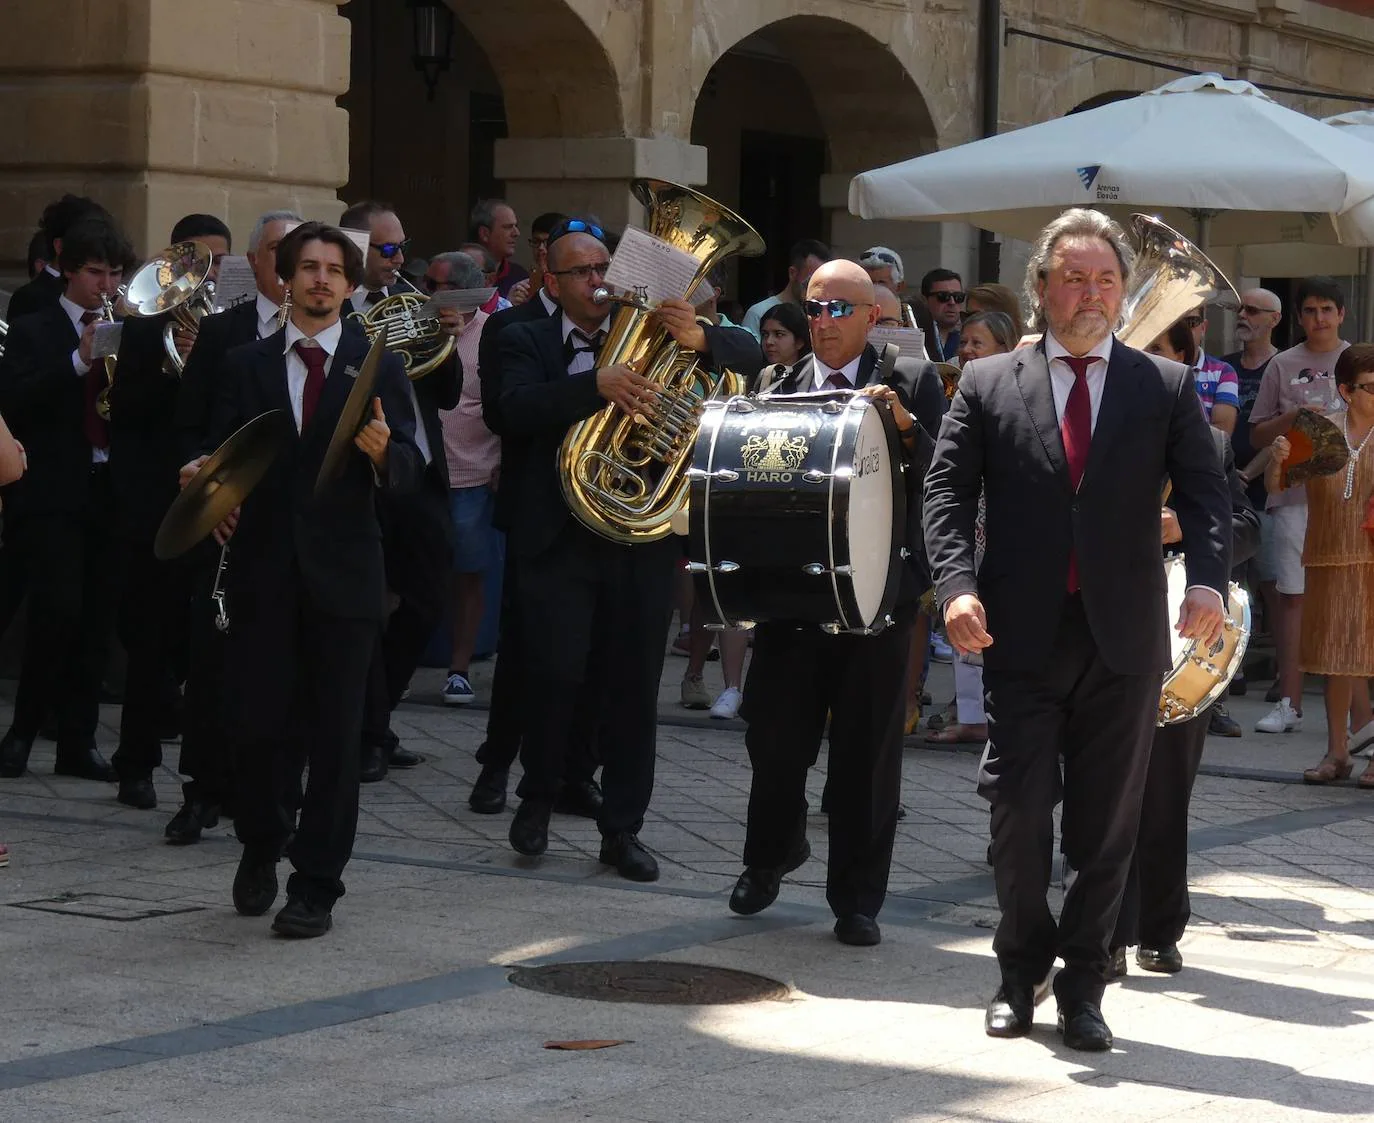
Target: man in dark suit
(799, 673)
(59, 519)
(1155, 908)
(581, 794)
(593, 612)
(417, 531)
(154, 595)
(44, 289)
(1069, 442)
(306, 586)
(204, 757)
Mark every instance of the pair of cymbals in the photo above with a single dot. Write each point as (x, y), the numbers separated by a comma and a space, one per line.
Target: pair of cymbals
(230, 474)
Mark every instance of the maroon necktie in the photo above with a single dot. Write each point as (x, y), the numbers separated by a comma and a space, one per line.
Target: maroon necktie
(837, 381)
(94, 427)
(314, 358)
(1076, 429)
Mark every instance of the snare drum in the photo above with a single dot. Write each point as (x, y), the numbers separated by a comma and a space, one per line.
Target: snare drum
(797, 511)
(1199, 675)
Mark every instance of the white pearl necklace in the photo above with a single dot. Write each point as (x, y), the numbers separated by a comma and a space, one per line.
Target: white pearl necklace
(1354, 460)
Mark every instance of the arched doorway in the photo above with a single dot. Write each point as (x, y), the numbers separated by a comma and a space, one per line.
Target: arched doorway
(787, 114)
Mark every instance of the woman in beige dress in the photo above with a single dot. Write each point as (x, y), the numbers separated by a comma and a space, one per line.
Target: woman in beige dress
(1338, 554)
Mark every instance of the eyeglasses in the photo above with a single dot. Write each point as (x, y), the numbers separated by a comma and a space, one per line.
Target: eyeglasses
(1367, 387)
(390, 249)
(889, 322)
(538, 240)
(949, 297)
(1251, 310)
(576, 226)
(1192, 323)
(584, 272)
(431, 285)
(838, 309)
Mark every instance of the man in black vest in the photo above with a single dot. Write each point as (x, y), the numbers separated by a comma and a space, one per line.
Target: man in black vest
(306, 584)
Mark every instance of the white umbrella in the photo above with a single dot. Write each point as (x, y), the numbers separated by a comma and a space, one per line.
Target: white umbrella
(1360, 123)
(1198, 149)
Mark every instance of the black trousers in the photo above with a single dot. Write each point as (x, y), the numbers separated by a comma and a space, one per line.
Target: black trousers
(594, 615)
(1155, 909)
(1101, 725)
(295, 697)
(798, 674)
(505, 722)
(73, 579)
(417, 539)
(154, 603)
(204, 758)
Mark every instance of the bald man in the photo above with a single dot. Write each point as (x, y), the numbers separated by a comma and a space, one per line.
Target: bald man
(800, 673)
(889, 307)
(1260, 313)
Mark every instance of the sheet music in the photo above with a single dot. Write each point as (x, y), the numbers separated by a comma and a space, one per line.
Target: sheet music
(105, 341)
(911, 341)
(643, 261)
(465, 300)
(236, 282)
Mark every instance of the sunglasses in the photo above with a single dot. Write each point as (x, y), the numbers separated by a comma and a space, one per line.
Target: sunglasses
(584, 272)
(390, 249)
(1251, 310)
(884, 258)
(838, 309)
(949, 297)
(576, 226)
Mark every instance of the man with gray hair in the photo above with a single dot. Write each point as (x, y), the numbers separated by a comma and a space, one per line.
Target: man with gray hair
(494, 227)
(1069, 442)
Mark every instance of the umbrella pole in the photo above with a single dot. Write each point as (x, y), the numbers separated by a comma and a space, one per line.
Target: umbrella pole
(1367, 328)
(1204, 231)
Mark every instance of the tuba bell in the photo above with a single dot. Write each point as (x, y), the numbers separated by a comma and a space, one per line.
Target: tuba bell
(419, 340)
(626, 477)
(177, 280)
(1171, 277)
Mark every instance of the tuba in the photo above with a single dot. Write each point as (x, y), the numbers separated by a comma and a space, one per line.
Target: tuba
(178, 281)
(626, 477)
(419, 340)
(1171, 277)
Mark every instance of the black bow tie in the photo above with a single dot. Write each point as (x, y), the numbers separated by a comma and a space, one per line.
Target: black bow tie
(579, 343)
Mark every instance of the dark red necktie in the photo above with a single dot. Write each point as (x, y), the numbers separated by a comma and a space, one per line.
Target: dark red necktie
(837, 381)
(314, 358)
(1076, 429)
(94, 427)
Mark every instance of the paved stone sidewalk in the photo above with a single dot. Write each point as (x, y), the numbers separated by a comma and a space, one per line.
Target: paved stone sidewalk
(133, 992)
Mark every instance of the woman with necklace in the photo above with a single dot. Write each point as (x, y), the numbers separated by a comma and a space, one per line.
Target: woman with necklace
(1338, 554)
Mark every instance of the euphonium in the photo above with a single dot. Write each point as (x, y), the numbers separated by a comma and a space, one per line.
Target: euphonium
(1171, 277)
(102, 399)
(626, 477)
(419, 340)
(178, 281)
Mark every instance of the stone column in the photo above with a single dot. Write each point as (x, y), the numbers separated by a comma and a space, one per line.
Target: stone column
(159, 108)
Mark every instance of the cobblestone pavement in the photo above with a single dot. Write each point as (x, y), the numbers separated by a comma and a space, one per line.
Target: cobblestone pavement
(132, 991)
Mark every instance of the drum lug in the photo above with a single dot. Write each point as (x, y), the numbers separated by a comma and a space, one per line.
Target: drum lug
(698, 567)
(743, 624)
(904, 553)
(814, 569)
(833, 407)
(831, 629)
(721, 475)
(710, 404)
(727, 567)
(815, 476)
(742, 405)
(844, 570)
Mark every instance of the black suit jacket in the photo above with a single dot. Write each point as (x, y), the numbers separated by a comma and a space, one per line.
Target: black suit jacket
(1001, 437)
(333, 542)
(489, 355)
(437, 390)
(540, 401)
(195, 403)
(33, 297)
(143, 449)
(918, 385)
(1245, 523)
(43, 400)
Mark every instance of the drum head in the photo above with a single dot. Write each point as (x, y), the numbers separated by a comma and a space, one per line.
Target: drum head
(870, 515)
(1176, 575)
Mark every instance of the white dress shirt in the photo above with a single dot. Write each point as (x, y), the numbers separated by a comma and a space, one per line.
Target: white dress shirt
(550, 305)
(74, 313)
(295, 367)
(1062, 377)
(821, 373)
(51, 272)
(583, 361)
(267, 316)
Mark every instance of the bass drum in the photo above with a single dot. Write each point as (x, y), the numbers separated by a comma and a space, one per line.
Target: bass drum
(797, 511)
(1200, 675)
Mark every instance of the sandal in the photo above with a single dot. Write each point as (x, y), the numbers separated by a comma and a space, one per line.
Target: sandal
(1330, 770)
(913, 722)
(1366, 779)
(956, 734)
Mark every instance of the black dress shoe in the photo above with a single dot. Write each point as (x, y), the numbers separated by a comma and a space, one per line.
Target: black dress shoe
(858, 931)
(758, 886)
(85, 764)
(397, 757)
(302, 919)
(194, 816)
(1011, 1012)
(488, 796)
(1166, 959)
(14, 754)
(529, 832)
(138, 793)
(255, 883)
(1116, 965)
(627, 854)
(1082, 1027)
(373, 767)
(580, 797)
(1238, 687)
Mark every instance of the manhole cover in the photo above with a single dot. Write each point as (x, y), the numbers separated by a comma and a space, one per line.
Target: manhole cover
(103, 906)
(673, 984)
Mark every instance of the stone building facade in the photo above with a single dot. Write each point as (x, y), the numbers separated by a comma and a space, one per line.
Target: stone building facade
(162, 107)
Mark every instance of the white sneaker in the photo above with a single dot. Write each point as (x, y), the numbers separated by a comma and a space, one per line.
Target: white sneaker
(695, 696)
(727, 705)
(1281, 719)
(1362, 741)
(458, 691)
(940, 650)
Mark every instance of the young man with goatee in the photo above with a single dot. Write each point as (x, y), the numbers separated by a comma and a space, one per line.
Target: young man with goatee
(306, 589)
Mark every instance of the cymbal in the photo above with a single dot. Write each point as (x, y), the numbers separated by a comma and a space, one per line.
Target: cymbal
(354, 416)
(1318, 448)
(223, 482)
